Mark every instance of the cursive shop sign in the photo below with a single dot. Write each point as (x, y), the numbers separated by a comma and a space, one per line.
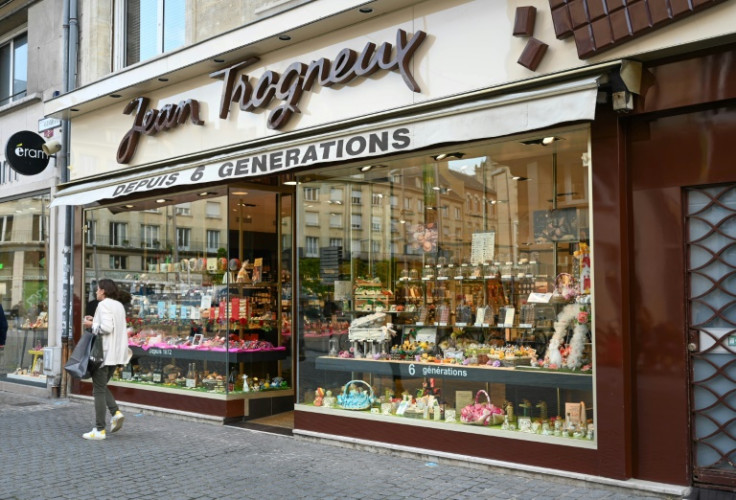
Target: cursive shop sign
(283, 91)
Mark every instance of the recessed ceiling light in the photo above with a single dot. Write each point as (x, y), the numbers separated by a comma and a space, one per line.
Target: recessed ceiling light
(128, 206)
(443, 156)
(543, 141)
(365, 10)
(74, 109)
(205, 193)
(162, 200)
(366, 168)
(520, 178)
(284, 38)
(290, 183)
(115, 96)
(218, 60)
(240, 193)
(162, 79)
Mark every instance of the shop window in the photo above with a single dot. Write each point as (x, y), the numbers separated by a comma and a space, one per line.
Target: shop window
(184, 209)
(150, 236)
(6, 228)
(212, 209)
(152, 27)
(118, 262)
(183, 238)
(118, 233)
(13, 69)
(311, 218)
(311, 194)
(215, 283)
(311, 247)
(213, 240)
(336, 220)
(494, 301)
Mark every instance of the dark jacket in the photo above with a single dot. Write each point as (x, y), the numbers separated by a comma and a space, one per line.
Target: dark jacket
(3, 326)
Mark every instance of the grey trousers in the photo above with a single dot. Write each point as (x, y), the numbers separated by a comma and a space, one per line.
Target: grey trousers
(103, 396)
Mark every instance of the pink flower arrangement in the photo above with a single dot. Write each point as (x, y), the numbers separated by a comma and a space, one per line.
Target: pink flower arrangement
(583, 317)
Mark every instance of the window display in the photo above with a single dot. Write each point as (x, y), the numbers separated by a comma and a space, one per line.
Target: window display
(467, 300)
(202, 319)
(24, 287)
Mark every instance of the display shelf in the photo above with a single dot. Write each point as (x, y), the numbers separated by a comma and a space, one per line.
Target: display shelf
(507, 375)
(494, 431)
(221, 395)
(275, 354)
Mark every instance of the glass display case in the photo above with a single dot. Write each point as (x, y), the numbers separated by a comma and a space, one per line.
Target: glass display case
(206, 283)
(460, 296)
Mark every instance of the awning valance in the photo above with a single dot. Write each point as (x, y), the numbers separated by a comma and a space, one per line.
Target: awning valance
(498, 116)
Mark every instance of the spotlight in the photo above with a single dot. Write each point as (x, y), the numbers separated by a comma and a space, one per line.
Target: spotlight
(51, 147)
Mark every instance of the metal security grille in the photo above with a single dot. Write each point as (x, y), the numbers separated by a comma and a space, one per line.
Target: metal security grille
(711, 251)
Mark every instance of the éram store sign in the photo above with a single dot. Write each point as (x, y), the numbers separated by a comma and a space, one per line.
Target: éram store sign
(255, 95)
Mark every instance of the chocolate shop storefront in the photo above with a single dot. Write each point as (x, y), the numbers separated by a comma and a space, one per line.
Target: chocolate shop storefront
(495, 270)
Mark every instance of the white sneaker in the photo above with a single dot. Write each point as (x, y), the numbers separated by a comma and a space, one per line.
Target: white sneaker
(95, 435)
(117, 422)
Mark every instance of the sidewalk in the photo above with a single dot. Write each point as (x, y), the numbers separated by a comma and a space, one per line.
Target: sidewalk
(155, 457)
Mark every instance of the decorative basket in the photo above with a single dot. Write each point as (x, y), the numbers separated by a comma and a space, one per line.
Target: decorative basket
(353, 399)
(481, 413)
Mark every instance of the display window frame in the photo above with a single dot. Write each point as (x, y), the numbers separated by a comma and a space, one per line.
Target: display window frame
(383, 365)
(236, 352)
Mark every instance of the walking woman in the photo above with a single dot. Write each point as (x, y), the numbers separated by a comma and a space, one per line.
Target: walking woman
(109, 324)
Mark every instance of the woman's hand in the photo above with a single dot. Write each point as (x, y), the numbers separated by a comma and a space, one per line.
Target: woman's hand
(87, 321)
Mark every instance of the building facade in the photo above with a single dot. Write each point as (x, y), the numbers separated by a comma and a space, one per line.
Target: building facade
(32, 55)
(483, 230)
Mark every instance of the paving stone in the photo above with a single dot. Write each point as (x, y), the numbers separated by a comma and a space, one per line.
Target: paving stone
(157, 456)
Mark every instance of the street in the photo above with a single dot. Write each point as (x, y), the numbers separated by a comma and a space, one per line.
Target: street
(153, 456)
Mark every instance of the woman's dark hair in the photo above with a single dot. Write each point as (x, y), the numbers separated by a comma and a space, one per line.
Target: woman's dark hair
(109, 287)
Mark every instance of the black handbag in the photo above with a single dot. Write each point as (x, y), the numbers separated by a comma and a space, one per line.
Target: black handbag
(86, 356)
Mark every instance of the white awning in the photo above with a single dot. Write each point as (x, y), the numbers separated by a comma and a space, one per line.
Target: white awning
(482, 119)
